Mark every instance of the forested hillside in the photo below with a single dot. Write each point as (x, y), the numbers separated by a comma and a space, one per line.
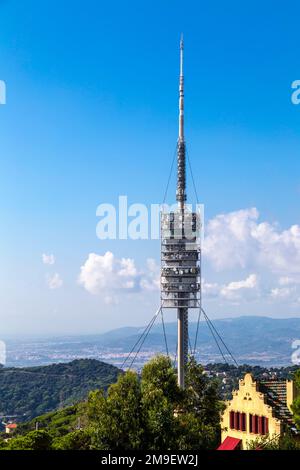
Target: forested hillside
(29, 392)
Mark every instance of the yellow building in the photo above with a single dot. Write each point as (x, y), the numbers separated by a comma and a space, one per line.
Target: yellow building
(257, 409)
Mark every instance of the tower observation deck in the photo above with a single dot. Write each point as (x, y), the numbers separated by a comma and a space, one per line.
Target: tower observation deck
(180, 248)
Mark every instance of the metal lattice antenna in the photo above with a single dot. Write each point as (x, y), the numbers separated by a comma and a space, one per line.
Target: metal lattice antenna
(181, 178)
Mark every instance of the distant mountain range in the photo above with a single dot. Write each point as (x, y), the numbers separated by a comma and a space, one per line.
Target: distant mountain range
(253, 340)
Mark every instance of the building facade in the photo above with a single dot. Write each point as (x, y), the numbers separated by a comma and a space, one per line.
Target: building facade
(257, 409)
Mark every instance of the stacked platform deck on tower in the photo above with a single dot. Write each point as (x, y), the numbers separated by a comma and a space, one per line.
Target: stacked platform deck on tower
(180, 258)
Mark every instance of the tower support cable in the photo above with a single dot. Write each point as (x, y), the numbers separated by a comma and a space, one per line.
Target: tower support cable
(148, 327)
(221, 339)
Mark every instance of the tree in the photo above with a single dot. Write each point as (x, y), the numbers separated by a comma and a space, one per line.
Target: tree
(160, 398)
(34, 440)
(154, 413)
(200, 410)
(284, 442)
(76, 440)
(202, 396)
(116, 420)
(194, 434)
(296, 402)
(159, 374)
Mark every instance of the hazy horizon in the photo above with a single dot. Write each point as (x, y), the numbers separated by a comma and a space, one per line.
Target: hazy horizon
(65, 334)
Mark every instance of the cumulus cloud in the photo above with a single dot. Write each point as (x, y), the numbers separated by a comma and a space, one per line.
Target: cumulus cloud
(237, 289)
(55, 281)
(247, 289)
(48, 259)
(287, 290)
(151, 282)
(238, 239)
(110, 275)
(282, 292)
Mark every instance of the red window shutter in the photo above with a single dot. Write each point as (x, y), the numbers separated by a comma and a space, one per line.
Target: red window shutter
(260, 426)
(254, 429)
(235, 420)
(266, 425)
(238, 420)
(243, 421)
(231, 419)
(256, 424)
(250, 423)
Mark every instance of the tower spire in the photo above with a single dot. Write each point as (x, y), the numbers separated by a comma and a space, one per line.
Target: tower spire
(181, 183)
(181, 94)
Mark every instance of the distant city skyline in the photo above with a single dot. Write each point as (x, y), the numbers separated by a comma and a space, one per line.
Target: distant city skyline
(91, 115)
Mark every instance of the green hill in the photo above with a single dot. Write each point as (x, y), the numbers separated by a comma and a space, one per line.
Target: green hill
(33, 391)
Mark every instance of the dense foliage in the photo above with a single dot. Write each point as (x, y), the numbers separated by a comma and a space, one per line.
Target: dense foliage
(137, 413)
(296, 403)
(153, 413)
(58, 423)
(32, 391)
(284, 442)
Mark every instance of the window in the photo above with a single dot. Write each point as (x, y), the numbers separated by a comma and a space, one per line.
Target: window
(264, 425)
(237, 421)
(243, 422)
(255, 424)
(258, 424)
(231, 419)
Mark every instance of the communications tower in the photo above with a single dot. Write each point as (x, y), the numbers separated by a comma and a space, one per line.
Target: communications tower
(180, 248)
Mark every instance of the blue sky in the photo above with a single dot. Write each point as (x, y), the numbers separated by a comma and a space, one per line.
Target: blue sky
(91, 114)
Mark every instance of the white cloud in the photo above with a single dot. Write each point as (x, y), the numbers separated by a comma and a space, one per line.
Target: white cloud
(288, 281)
(238, 239)
(248, 283)
(282, 292)
(210, 289)
(245, 289)
(237, 289)
(55, 281)
(48, 259)
(109, 275)
(151, 281)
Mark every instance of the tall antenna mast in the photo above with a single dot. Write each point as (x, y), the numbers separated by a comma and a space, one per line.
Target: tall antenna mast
(181, 183)
(180, 249)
